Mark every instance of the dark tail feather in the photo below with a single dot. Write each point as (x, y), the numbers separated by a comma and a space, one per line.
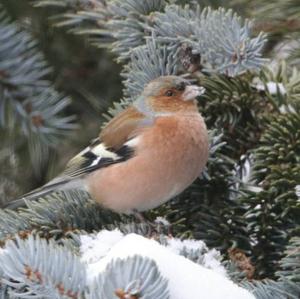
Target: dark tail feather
(33, 195)
(37, 193)
(14, 204)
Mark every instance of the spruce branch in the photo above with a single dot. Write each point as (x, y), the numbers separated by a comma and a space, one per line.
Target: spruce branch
(30, 107)
(57, 214)
(116, 108)
(176, 24)
(233, 105)
(129, 23)
(231, 50)
(9, 174)
(219, 36)
(134, 277)
(285, 92)
(23, 67)
(290, 266)
(278, 10)
(268, 289)
(280, 148)
(3, 292)
(294, 54)
(124, 8)
(11, 223)
(147, 63)
(39, 268)
(274, 211)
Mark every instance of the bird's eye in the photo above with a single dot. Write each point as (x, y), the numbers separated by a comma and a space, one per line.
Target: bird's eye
(169, 93)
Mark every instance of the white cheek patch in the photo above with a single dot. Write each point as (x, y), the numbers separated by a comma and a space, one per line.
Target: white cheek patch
(101, 151)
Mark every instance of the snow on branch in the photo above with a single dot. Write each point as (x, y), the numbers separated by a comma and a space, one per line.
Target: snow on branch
(113, 265)
(186, 279)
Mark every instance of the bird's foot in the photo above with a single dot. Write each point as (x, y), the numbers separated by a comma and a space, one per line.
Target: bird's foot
(159, 226)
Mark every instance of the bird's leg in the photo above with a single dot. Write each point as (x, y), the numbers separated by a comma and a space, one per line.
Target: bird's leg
(139, 216)
(159, 226)
(164, 226)
(153, 229)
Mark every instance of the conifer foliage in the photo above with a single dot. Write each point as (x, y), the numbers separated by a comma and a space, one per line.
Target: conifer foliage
(246, 203)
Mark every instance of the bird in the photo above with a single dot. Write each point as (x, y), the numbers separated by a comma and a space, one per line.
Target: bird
(144, 156)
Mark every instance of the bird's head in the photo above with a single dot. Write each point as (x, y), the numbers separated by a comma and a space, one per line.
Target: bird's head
(169, 94)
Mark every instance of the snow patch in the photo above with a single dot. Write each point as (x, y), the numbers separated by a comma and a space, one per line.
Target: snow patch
(210, 259)
(287, 109)
(162, 220)
(187, 280)
(297, 190)
(177, 245)
(272, 87)
(95, 247)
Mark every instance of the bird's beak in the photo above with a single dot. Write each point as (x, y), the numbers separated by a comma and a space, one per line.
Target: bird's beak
(192, 91)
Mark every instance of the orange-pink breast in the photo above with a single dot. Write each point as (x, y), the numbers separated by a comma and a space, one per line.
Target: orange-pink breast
(170, 155)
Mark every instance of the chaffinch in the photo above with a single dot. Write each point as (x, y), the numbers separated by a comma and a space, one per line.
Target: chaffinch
(144, 156)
